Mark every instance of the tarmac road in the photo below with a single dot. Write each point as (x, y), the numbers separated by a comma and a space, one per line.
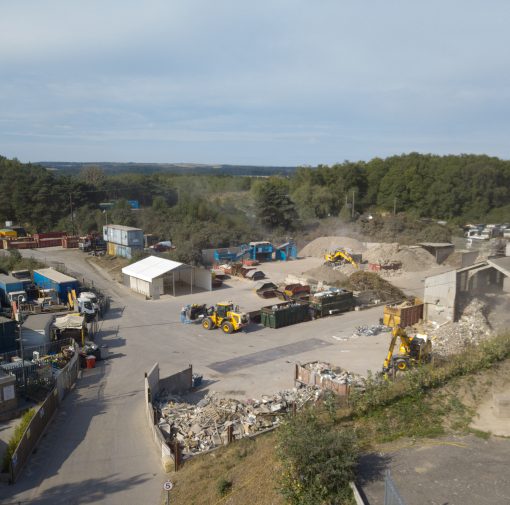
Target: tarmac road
(99, 450)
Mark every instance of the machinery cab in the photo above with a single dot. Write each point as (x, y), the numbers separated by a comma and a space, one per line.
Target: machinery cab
(223, 308)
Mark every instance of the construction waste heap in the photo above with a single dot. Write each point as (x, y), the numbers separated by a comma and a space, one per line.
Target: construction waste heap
(206, 425)
(471, 329)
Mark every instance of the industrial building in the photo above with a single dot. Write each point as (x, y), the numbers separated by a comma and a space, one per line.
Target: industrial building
(446, 293)
(154, 276)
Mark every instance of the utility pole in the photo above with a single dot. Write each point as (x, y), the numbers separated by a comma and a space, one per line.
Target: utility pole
(394, 205)
(352, 214)
(72, 212)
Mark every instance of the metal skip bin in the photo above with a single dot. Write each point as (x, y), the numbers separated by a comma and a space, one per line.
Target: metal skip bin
(284, 314)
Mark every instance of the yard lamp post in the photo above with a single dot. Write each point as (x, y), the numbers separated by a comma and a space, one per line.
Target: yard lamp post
(21, 298)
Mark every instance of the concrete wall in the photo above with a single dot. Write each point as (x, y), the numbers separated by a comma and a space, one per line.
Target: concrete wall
(203, 278)
(179, 383)
(440, 295)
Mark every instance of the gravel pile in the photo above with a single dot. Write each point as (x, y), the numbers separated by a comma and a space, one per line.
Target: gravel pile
(327, 274)
(413, 259)
(472, 328)
(320, 246)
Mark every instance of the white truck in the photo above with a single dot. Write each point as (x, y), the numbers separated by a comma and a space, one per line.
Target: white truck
(88, 305)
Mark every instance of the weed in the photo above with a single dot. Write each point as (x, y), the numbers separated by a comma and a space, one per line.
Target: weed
(485, 435)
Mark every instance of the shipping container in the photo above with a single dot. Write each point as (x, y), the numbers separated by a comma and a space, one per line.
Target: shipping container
(19, 244)
(49, 242)
(122, 250)
(123, 235)
(10, 284)
(284, 314)
(49, 278)
(49, 234)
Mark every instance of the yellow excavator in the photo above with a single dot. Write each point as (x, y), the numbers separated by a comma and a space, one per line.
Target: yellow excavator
(413, 350)
(225, 316)
(340, 256)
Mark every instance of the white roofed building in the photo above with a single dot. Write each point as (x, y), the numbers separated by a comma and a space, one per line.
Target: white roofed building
(155, 276)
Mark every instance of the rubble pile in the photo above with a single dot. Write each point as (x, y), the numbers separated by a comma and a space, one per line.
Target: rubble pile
(472, 328)
(205, 425)
(370, 331)
(325, 371)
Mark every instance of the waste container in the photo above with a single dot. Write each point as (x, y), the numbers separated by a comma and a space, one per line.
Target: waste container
(91, 361)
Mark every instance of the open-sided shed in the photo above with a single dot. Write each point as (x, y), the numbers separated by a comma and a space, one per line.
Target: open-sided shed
(155, 276)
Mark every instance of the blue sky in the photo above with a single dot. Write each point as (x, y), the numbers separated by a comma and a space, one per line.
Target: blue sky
(272, 82)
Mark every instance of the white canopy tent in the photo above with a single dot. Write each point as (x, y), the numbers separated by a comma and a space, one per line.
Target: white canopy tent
(155, 276)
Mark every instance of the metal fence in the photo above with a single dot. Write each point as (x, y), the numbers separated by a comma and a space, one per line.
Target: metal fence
(43, 416)
(391, 494)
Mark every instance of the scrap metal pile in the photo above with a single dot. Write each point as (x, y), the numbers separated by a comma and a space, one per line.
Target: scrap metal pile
(203, 426)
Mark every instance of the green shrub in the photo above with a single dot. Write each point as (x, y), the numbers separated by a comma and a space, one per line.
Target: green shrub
(317, 459)
(224, 486)
(16, 438)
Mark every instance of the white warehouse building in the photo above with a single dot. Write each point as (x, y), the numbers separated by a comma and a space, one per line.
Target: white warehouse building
(155, 276)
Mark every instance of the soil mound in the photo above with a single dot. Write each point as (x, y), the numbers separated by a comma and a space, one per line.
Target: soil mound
(322, 245)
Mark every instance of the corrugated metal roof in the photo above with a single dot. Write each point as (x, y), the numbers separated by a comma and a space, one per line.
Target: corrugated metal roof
(121, 227)
(152, 267)
(55, 275)
(502, 264)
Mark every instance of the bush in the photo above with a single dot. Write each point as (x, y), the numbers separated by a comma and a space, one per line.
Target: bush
(318, 460)
(16, 437)
(224, 486)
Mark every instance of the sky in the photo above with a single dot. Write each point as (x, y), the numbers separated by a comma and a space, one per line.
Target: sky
(271, 82)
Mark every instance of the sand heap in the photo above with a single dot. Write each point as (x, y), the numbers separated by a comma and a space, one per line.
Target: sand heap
(413, 259)
(320, 246)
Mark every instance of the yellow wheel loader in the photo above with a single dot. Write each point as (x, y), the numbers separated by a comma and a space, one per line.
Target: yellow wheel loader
(225, 316)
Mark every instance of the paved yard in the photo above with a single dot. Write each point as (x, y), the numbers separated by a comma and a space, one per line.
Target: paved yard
(448, 471)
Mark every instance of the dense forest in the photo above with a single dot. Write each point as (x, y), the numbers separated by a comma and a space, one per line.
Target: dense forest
(199, 211)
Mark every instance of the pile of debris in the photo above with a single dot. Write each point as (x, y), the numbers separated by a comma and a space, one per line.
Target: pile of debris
(472, 328)
(320, 246)
(408, 258)
(206, 425)
(370, 331)
(335, 374)
(371, 282)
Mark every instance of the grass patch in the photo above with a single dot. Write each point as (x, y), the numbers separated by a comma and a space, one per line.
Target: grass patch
(485, 435)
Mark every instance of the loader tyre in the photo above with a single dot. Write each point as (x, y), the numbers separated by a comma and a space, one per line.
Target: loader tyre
(227, 327)
(207, 324)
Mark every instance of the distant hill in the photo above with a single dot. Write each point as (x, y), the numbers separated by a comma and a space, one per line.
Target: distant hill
(171, 168)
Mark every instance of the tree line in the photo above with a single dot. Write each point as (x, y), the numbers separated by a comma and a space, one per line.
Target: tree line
(203, 211)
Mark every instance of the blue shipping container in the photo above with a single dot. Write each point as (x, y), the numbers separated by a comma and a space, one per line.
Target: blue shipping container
(48, 278)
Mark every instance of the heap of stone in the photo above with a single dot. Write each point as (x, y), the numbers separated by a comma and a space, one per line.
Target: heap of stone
(205, 425)
(471, 329)
(325, 371)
